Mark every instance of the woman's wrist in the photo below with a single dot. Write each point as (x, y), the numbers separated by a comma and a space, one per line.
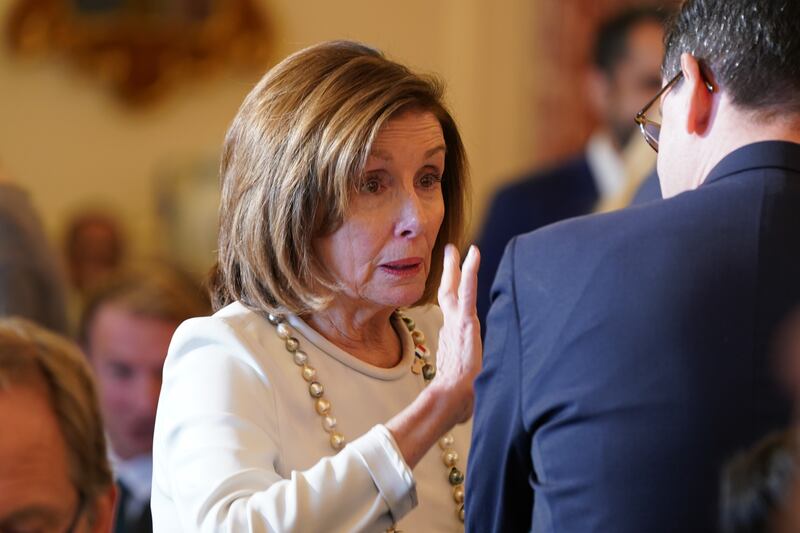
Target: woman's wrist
(420, 425)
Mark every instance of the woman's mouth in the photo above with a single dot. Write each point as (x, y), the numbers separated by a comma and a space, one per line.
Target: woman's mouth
(403, 268)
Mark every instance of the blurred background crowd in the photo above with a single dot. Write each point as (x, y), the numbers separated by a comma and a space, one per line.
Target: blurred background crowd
(117, 129)
(112, 114)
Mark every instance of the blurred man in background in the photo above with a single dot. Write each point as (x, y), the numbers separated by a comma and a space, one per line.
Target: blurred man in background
(94, 247)
(125, 331)
(32, 284)
(624, 74)
(54, 473)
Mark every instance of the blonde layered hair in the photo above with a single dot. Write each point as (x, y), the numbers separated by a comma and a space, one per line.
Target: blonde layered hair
(33, 357)
(294, 155)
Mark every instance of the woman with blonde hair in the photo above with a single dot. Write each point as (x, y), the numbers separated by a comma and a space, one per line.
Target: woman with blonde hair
(326, 393)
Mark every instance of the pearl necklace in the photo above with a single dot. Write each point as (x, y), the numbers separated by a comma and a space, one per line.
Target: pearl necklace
(421, 365)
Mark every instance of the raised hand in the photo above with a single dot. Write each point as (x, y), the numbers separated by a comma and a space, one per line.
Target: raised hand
(448, 399)
(458, 358)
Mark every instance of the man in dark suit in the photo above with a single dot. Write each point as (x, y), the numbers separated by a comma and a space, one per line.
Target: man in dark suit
(625, 357)
(32, 284)
(625, 71)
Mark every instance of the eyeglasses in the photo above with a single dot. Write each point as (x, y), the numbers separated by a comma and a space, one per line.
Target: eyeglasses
(650, 128)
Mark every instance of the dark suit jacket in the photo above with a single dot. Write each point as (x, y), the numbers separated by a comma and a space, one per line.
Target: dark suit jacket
(539, 199)
(626, 356)
(141, 522)
(648, 191)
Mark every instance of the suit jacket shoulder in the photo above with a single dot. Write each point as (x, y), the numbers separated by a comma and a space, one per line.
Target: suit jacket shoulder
(546, 196)
(534, 201)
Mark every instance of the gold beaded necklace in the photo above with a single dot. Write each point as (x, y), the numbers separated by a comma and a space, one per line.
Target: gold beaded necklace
(421, 365)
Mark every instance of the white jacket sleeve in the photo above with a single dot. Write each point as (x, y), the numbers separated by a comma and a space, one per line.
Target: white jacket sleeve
(216, 444)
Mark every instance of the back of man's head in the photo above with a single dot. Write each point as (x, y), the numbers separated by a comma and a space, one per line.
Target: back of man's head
(53, 444)
(751, 47)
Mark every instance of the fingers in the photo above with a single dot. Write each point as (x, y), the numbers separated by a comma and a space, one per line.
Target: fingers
(468, 286)
(451, 277)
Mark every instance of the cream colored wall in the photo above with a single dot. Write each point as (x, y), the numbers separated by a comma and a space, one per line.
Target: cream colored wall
(70, 143)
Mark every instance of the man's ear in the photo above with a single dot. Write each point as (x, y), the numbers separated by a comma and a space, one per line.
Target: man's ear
(104, 508)
(701, 100)
(597, 87)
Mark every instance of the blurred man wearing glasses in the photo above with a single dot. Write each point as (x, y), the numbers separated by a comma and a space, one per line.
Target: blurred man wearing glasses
(625, 357)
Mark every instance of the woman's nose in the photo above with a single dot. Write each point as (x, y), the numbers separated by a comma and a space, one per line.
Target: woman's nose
(412, 217)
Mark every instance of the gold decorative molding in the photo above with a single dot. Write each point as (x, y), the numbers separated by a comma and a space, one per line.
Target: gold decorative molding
(142, 48)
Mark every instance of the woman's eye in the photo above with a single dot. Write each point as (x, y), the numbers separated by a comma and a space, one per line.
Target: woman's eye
(371, 186)
(429, 181)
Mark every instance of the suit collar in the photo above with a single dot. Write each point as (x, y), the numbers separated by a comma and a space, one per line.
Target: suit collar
(766, 154)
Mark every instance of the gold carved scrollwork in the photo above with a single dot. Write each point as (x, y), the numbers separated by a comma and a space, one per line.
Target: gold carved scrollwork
(141, 48)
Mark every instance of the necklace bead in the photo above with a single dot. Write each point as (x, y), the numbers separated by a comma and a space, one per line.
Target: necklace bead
(456, 477)
(329, 423)
(458, 493)
(283, 331)
(309, 373)
(428, 372)
(300, 358)
(292, 344)
(337, 441)
(446, 442)
(315, 389)
(323, 406)
(450, 458)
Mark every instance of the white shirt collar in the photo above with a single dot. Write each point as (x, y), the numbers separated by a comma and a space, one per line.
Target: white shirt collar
(135, 473)
(606, 165)
(614, 172)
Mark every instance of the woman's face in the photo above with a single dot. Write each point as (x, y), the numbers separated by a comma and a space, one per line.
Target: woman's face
(381, 254)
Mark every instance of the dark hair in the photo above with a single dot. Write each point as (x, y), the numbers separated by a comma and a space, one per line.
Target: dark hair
(751, 48)
(611, 41)
(756, 482)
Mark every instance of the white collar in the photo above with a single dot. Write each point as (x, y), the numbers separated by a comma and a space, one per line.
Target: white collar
(135, 473)
(614, 172)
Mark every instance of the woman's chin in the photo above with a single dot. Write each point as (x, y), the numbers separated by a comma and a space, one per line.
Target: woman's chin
(402, 297)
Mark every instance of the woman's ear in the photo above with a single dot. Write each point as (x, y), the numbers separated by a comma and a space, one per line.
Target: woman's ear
(700, 99)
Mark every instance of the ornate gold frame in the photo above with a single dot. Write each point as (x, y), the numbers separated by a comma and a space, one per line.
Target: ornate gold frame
(141, 48)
